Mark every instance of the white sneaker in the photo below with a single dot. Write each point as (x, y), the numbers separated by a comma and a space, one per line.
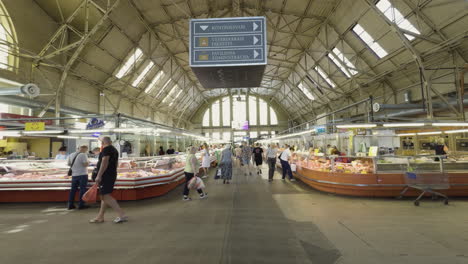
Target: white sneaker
(204, 177)
(186, 199)
(293, 180)
(203, 196)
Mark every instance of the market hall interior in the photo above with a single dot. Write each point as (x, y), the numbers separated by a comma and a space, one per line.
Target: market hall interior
(233, 131)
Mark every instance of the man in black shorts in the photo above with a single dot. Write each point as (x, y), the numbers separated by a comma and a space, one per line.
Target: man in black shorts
(258, 158)
(105, 179)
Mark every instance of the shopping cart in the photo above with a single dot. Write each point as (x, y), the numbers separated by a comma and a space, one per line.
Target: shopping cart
(426, 179)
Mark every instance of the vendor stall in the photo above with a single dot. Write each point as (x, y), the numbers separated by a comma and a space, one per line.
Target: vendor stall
(46, 180)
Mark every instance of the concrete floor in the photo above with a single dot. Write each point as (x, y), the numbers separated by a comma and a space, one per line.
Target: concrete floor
(249, 221)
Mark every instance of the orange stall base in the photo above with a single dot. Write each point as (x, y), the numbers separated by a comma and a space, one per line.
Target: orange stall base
(374, 184)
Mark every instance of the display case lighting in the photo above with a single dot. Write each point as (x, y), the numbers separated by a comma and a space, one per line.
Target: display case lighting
(10, 134)
(357, 126)
(449, 124)
(407, 134)
(404, 125)
(161, 130)
(76, 137)
(429, 133)
(81, 131)
(42, 132)
(457, 131)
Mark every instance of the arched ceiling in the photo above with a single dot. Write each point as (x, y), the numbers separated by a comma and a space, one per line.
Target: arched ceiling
(300, 35)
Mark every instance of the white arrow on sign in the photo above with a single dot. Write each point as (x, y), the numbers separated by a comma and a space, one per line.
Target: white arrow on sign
(256, 54)
(203, 27)
(255, 26)
(255, 40)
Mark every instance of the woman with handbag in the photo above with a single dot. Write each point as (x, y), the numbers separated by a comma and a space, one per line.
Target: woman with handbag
(226, 164)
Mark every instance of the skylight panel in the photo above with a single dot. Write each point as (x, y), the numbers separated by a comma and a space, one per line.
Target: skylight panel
(325, 76)
(163, 88)
(177, 96)
(174, 88)
(395, 16)
(3, 48)
(143, 74)
(347, 62)
(154, 81)
(306, 91)
(370, 42)
(338, 63)
(131, 61)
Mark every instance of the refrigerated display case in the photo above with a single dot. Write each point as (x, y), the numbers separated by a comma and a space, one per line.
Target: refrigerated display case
(382, 176)
(47, 180)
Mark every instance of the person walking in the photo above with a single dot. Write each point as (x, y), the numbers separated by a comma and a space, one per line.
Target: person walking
(105, 179)
(192, 167)
(238, 153)
(258, 157)
(284, 159)
(206, 163)
(226, 164)
(246, 156)
(271, 154)
(78, 163)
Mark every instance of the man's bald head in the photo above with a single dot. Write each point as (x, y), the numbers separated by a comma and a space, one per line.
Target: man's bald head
(106, 141)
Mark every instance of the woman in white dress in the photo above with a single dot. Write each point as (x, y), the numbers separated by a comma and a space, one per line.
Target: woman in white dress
(206, 160)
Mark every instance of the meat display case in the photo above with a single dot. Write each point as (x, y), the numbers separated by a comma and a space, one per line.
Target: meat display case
(383, 176)
(46, 180)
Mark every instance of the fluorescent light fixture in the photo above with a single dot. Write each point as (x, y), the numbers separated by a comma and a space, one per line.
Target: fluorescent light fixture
(42, 132)
(457, 131)
(132, 129)
(76, 137)
(404, 125)
(430, 133)
(89, 131)
(161, 130)
(10, 134)
(357, 126)
(406, 134)
(449, 124)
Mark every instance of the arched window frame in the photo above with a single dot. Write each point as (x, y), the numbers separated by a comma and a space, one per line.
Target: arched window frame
(10, 45)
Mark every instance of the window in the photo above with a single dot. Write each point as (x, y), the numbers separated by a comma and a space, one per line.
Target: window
(252, 110)
(158, 76)
(306, 91)
(395, 16)
(239, 109)
(216, 135)
(325, 76)
(206, 118)
(226, 112)
(8, 41)
(273, 117)
(129, 63)
(253, 134)
(215, 113)
(264, 133)
(143, 74)
(338, 58)
(227, 135)
(263, 111)
(273, 133)
(171, 92)
(370, 42)
(163, 88)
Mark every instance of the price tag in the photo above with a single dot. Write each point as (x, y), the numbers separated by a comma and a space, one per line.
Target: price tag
(34, 126)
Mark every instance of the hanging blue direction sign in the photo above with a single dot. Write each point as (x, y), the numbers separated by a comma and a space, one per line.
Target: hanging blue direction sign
(242, 41)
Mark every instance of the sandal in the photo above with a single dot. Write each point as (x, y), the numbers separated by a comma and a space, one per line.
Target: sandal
(120, 220)
(96, 221)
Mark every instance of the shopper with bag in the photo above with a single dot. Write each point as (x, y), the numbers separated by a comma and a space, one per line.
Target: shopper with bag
(226, 165)
(105, 179)
(192, 167)
(78, 163)
(271, 154)
(206, 162)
